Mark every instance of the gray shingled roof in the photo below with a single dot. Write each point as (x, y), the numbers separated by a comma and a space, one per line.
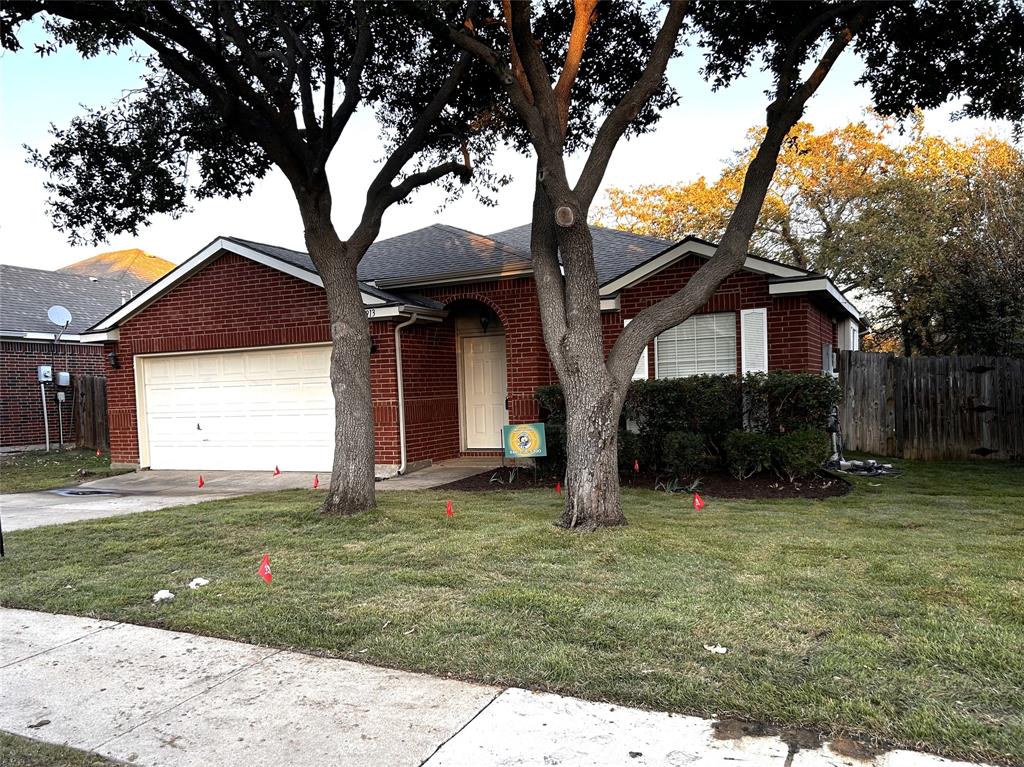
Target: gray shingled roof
(26, 294)
(615, 252)
(303, 261)
(437, 251)
(434, 251)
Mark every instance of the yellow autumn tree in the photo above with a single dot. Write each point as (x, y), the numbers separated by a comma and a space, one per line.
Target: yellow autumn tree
(929, 231)
(821, 178)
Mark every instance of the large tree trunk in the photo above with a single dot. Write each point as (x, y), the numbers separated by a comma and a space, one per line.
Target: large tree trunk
(592, 470)
(351, 490)
(574, 340)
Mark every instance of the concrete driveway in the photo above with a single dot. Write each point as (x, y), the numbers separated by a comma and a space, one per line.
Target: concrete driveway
(151, 490)
(139, 491)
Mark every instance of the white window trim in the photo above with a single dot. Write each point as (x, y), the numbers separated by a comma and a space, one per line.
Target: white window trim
(744, 366)
(642, 362)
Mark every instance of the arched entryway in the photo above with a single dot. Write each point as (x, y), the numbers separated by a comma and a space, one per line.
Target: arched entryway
(483, 374)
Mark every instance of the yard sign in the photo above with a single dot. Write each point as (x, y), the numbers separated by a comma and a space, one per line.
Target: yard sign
(524, 440)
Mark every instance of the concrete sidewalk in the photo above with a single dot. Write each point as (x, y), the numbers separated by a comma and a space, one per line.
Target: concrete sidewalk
(153, 697)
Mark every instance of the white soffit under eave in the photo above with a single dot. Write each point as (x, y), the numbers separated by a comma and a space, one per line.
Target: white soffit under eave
(77, 338)
(820, 284)
(187, 268)
(683, 249)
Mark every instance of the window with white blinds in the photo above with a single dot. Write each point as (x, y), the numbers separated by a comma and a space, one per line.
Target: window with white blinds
(705, 343)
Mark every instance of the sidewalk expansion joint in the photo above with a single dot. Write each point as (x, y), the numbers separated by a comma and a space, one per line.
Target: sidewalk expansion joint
(62, 644)
(469, 721)
(227, 678)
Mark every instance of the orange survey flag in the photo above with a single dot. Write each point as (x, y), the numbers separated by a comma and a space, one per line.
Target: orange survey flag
(264, 571)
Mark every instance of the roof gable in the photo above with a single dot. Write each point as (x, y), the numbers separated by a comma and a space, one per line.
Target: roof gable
(290, 262)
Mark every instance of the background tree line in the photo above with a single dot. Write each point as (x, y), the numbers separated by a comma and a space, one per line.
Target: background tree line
(927, 231)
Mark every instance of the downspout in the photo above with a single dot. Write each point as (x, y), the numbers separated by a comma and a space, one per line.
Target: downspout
(401, 388)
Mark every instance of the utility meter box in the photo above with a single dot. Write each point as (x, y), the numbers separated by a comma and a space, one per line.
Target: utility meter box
(63, 378)
(44, 373)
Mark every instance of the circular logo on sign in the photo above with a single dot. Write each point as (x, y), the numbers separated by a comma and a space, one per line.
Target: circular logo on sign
(524, 439)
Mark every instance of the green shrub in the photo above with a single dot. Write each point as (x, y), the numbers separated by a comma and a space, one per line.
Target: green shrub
(629, 451)
(552, 403)
(747, 453)
(781, 402)
(684, 454)
(553, 464)
(707, 405)
(712, 407)
(800, 453)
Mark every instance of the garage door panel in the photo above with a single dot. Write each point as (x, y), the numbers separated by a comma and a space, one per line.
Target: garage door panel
(255, 410)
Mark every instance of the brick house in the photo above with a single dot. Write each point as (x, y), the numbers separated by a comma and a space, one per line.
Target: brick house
(90, 290)
(223, 363)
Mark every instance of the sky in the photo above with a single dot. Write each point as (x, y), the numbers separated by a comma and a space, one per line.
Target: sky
(692, 139)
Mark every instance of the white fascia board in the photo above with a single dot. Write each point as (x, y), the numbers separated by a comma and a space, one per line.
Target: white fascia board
(610, 304)
(110, 335)
(822, 284)
(390, 312)
(197, 262)
(71, 338)
(670, 256)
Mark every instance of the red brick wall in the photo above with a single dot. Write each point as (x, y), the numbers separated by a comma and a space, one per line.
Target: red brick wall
(236, 303)
(795, 327)
(514, 301)
(21, 407)
(430, 375)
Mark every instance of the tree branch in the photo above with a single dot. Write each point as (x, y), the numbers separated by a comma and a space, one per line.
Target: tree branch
(629, 107)
(381, 194)
(731, 252)
(353, 93)
(581, 22)
(537, 74)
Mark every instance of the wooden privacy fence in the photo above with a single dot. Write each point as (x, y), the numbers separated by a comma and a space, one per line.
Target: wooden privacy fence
(91, 412)
(932, 407)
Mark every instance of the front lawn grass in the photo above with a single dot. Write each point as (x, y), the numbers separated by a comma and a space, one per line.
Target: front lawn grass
(39, 470)
(894, 613)
(16, 751)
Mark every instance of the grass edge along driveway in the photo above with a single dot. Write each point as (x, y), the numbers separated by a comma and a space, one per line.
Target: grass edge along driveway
(892, 614)
(38, 470)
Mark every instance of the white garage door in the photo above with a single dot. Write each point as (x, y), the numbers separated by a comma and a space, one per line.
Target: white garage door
(240, 410)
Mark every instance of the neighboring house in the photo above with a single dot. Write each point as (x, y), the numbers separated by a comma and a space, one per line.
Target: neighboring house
(135, 268)
(223, 363)
(90, 290)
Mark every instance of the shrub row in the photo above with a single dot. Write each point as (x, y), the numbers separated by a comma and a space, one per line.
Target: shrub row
(686, 426)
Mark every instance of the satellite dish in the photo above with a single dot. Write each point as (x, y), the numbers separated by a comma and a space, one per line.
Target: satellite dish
(59, 315)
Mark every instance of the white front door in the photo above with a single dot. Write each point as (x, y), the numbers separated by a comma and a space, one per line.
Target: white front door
(483, 391)
(253, 409)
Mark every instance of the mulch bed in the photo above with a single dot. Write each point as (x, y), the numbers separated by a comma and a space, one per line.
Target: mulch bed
(716, 485)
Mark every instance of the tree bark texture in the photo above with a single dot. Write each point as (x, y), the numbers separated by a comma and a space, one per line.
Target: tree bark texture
(592, 408)
(351, 490)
